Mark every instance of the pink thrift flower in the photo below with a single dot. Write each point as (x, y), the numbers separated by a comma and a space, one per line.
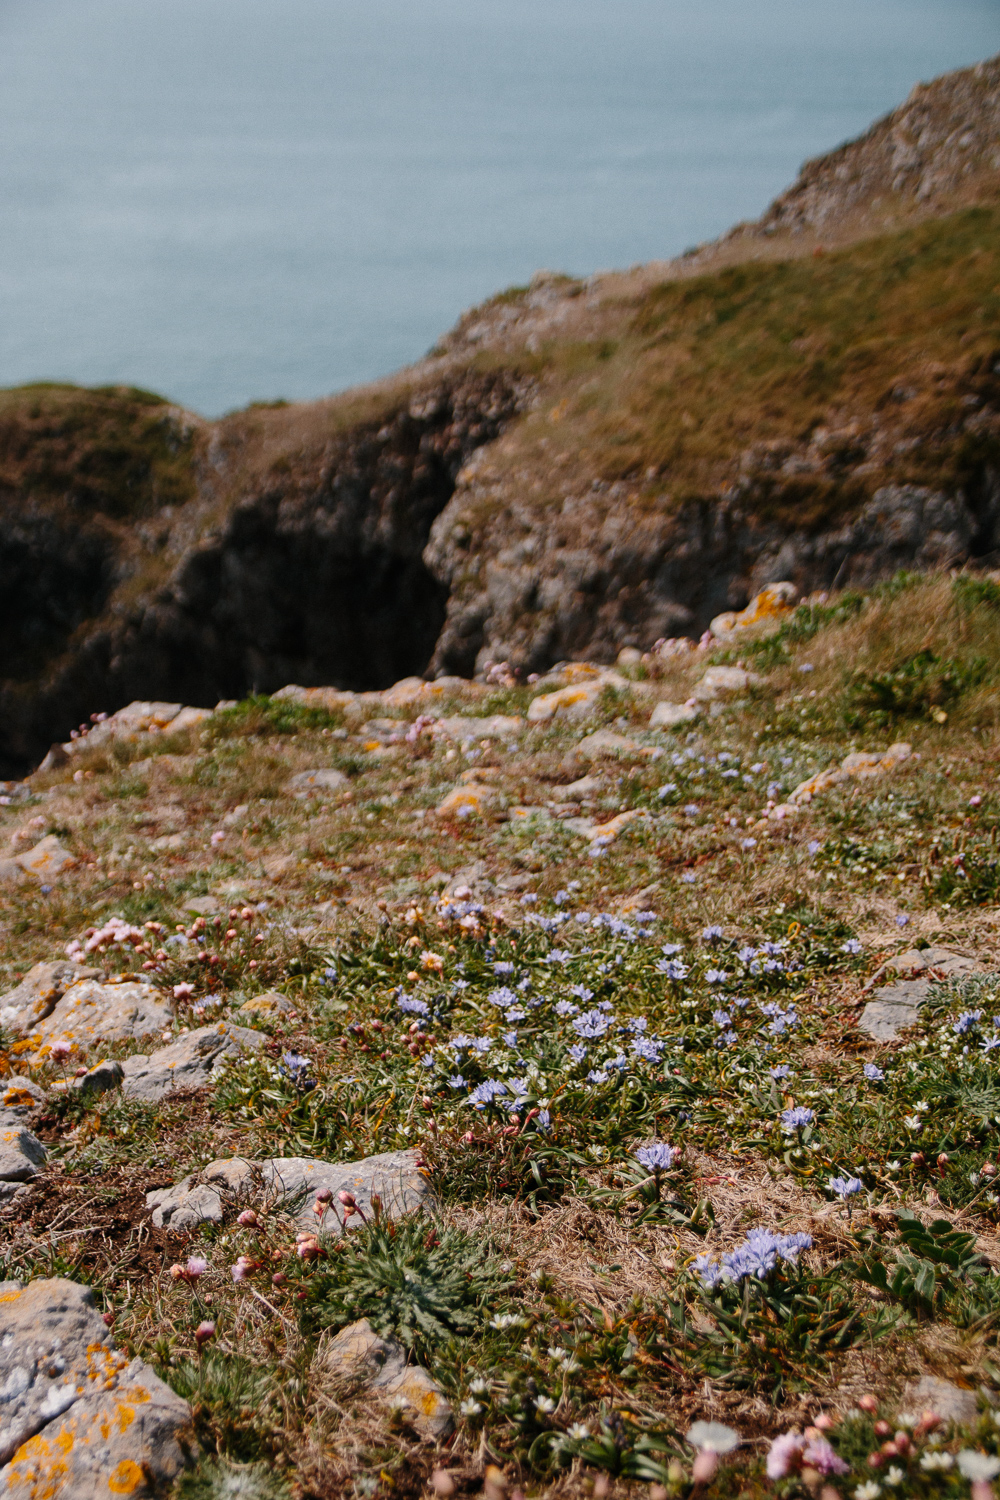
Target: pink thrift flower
(819, 1455)
(203, 1333)
(182, 991)
(785, 1455)
(196, 1267)
(242, 1268)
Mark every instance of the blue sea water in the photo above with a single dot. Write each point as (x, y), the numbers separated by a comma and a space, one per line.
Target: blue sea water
(229, 200)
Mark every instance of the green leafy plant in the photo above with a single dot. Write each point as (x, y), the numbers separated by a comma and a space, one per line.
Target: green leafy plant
(918, 686)
(413, 1279)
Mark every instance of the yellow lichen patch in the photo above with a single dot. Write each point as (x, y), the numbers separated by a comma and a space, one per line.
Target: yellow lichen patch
(126, 1477)
(10, 1296)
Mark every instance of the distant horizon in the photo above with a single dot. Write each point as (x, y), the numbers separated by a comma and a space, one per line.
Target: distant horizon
(227, 201)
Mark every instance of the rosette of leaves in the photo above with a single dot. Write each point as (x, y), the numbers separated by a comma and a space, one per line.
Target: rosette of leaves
(413, 1279)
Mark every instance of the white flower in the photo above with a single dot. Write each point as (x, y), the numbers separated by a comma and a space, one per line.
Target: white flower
(894, 1476)
(869, 1491)
(503, 1321)
(912, 1122)
(715, 1436)
(470, 1408)
(479, 1386)
(545, 1404)
(906, 1419)
(929, 1462)
(976, 1465)
(578, 1432)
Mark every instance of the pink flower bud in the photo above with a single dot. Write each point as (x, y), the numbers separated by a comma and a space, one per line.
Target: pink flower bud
(203, 1333)
(705, 1465)
(247, 1218)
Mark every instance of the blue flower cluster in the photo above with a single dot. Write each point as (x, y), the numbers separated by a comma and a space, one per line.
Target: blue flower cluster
(756, 1257)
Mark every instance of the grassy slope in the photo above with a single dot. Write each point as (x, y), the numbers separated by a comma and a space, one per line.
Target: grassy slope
(593, 1262)
(699, 371)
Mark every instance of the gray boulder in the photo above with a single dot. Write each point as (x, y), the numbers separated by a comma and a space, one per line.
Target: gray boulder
(100, 1079)
(293, 1182)
(90, 1012)
(359, 1356)
(894, 1007)
(37, 994)
(21, 1153)
(187, 1063)
(79, 1420)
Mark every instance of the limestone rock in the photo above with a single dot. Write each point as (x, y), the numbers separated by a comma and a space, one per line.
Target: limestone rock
(11, 872)
(672, 715)
(951, 1402)
(198, 1197)
(578, 700)
(862, 765)
(269, 1004)
(720, 681)
(357, 1354)
(80, 1421)
(395, 1177)
(21, 1153)
(20, 1096)
(579, 790)
(186, 1063)
(47, 859)
(322, 697)
(604, 745)
(100, 1079)
(325, 779)
(769, 607)
(470, 800)
(92, 1012)
(36, 996)
(188, 718)
(943, 961)
(894, 1007)
(463, 727)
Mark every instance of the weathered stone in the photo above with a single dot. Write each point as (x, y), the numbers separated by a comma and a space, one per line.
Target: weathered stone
(198, 1198)
(944, 961)
(47, 859)
(269, 1004)
(579, 790)
(21, 1153)
(605, 745)
(91, 1012)
(463, 727)
(718, 681)
(893, 1008)
(20, 1096)
(860, 765)
(186, 1063)
(188, 718)
(11, 872)
(672, 715)
(79, 1420)
(100, 1079)
(205, 906)
(395, 1177)
(578, 700)
(325, 779)
(951, 1402)
(358, 1355)
(36, 996)
(769, 608)
(466, 801)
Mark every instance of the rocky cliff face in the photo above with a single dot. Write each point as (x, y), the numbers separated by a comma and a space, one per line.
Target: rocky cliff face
(306, 568)
(579, 466)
